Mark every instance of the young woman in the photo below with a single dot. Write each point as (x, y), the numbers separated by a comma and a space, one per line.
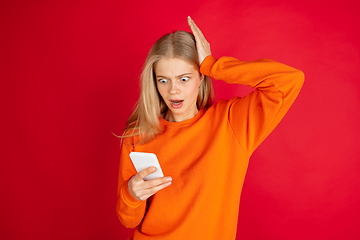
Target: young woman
(203, 148)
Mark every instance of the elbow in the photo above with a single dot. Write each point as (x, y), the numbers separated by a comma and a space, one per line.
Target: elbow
(300, 78)
(297, 79)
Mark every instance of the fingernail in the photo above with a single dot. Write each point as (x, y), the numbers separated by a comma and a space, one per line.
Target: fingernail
(169, 179)
(168, 184)
(152, 169)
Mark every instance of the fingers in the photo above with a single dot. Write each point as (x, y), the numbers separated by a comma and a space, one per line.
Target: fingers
(202, 45)
(146, 193)
(153, 184)
(195, 29)
(142, 190)
(142, 174)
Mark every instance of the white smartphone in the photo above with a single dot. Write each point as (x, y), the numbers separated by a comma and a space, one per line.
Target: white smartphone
(143, 160)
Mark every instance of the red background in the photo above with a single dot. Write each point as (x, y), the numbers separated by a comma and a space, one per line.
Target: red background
(69, 72)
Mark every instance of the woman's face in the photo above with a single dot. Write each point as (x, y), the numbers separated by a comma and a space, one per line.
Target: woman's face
(178, 83)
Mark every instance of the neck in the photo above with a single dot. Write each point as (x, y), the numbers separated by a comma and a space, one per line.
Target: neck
(169, 116)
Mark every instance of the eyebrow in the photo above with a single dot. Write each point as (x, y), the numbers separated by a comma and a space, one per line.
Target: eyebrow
(160, 76)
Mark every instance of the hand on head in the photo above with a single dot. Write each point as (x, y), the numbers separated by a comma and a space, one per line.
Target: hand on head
(202, 45)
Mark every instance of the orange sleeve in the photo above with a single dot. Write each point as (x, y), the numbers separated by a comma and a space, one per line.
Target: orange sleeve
(129, 210)
(257, 114)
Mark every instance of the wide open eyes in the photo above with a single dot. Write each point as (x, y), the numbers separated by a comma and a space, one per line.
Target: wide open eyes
(184, 79)
(162, 80)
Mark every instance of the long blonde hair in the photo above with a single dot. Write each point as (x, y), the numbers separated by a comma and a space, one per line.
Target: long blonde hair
(144, 121)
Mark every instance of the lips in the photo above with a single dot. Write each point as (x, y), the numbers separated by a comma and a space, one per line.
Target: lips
(175, 103)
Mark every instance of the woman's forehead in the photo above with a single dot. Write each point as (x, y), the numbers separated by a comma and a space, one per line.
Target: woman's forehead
(173, 67)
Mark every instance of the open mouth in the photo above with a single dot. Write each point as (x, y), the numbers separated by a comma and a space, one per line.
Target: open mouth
(176, 103)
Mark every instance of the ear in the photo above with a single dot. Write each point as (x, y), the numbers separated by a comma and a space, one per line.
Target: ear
(201, 77)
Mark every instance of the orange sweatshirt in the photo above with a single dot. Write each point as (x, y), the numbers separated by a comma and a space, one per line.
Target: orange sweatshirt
(207, 156)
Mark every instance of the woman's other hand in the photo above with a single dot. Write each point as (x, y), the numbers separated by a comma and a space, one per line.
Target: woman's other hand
(203, 46)
(141, 189)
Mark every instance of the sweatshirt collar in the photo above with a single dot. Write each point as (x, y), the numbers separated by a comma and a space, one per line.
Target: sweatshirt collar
(187, 122)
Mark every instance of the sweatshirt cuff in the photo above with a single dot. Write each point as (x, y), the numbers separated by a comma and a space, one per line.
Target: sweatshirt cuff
(206, 65)
(127, 197)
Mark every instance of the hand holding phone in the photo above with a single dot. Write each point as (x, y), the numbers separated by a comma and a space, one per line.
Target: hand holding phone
(143, 160)
(140, 188)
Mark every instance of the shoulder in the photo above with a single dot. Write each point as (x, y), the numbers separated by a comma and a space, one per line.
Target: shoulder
(221, 107)
(130, 137)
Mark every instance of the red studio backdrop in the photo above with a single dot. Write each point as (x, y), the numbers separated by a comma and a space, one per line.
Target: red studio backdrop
(69, 79)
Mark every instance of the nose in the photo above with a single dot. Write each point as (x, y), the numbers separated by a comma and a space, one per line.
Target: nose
(174, 89)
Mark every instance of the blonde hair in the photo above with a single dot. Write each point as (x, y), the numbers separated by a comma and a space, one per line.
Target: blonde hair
(144, 121)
